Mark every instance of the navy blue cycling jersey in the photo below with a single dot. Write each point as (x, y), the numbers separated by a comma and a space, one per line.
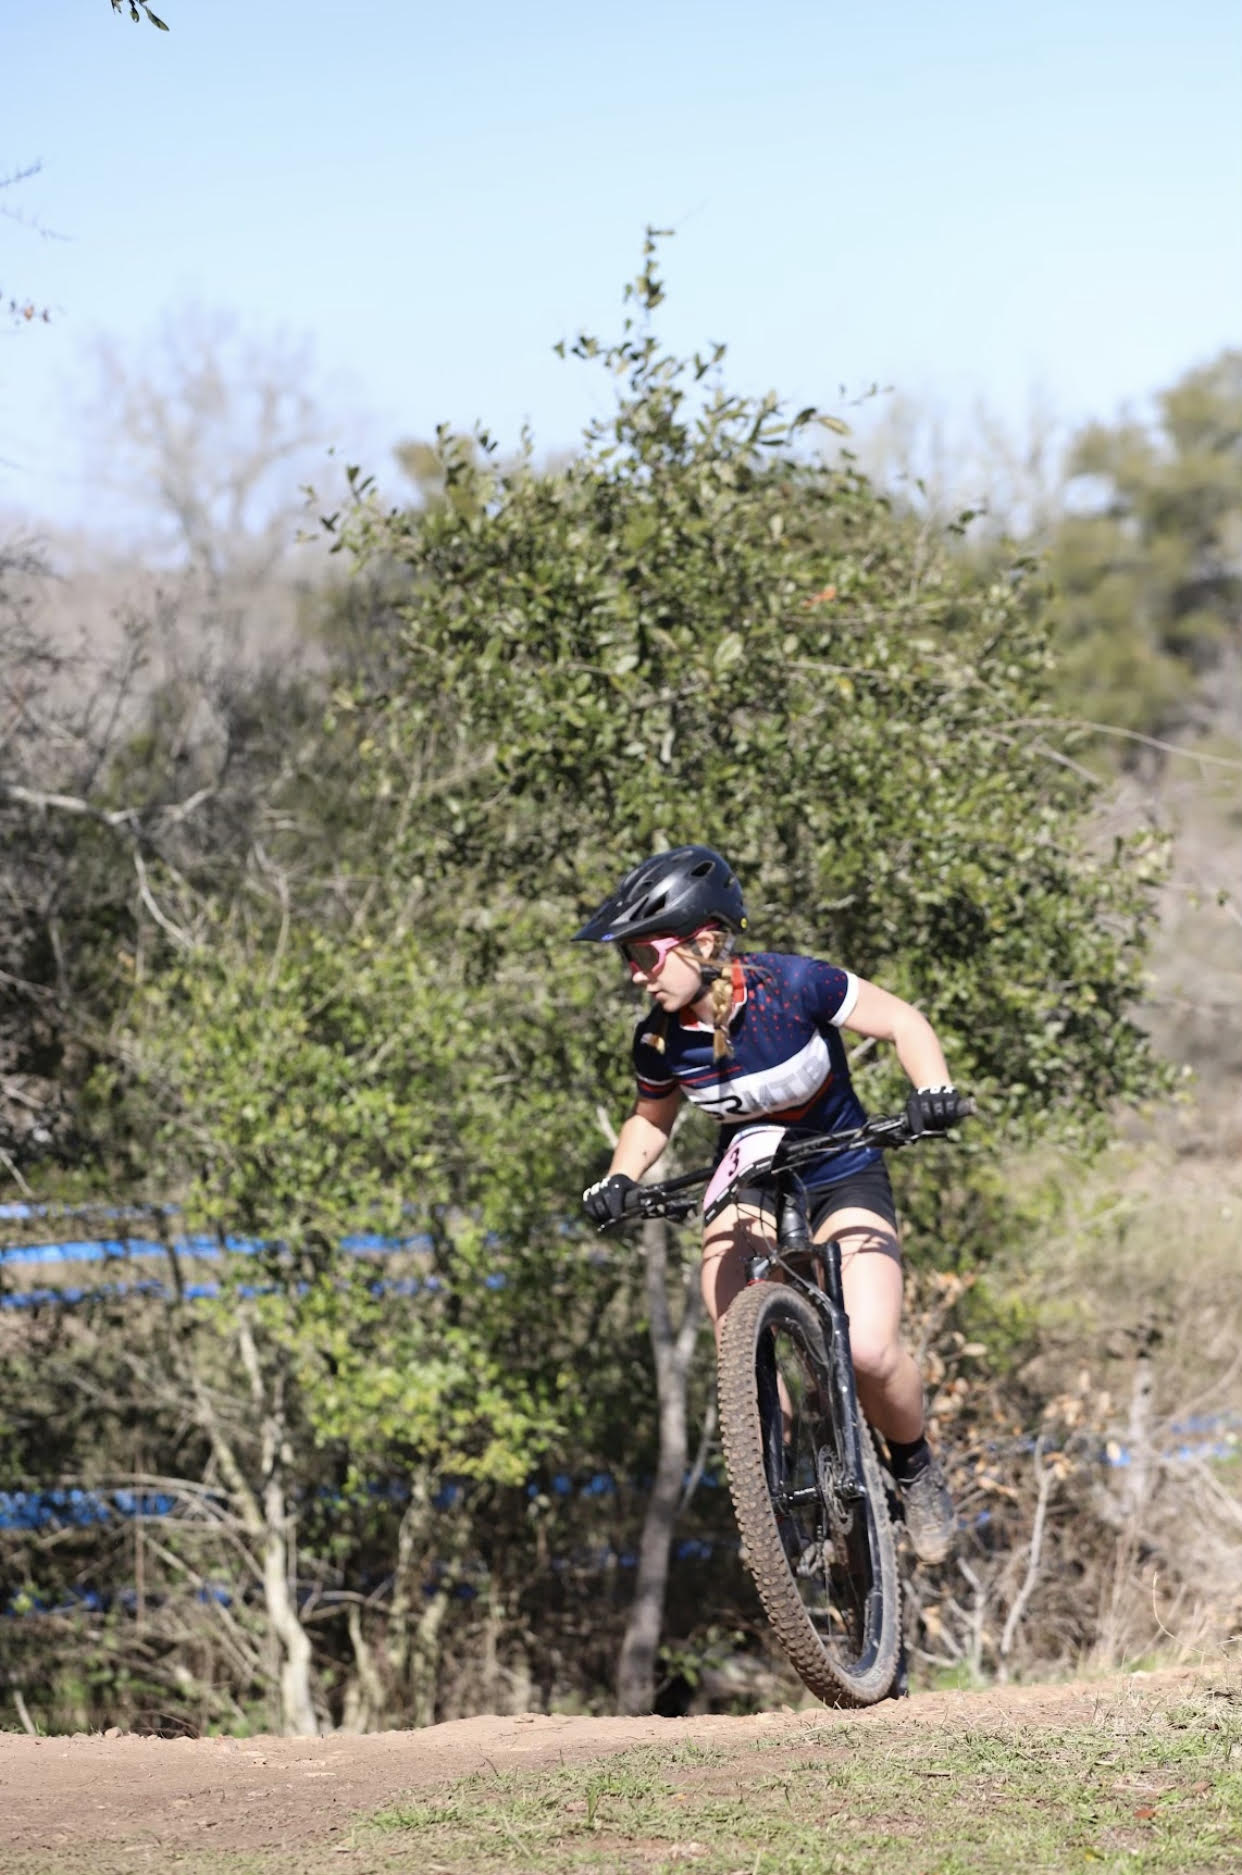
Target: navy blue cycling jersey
(788, 1065)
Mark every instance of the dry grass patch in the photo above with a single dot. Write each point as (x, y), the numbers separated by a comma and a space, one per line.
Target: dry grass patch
(1137, 1789)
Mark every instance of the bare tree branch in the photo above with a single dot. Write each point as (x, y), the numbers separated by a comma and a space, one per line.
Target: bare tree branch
(1047, 1478)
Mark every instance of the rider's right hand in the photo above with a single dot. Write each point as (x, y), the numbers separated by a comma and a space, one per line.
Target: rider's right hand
(936, 1109)
(606, 1200)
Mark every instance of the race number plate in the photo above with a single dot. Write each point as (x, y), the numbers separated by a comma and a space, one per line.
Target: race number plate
(753, 1147)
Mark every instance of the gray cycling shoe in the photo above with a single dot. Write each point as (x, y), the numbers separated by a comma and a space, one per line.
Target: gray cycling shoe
(930, 1517)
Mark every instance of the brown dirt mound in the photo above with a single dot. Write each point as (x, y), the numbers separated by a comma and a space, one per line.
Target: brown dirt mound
(137, 1803)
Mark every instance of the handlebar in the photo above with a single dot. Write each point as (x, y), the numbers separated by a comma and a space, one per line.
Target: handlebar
(676, 1198)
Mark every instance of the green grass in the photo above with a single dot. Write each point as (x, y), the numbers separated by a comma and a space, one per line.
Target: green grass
(1151, 1784)
(1135, 1790)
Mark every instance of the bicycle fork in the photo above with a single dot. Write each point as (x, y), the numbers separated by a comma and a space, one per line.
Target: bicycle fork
(830, 1301)
(793, 1238)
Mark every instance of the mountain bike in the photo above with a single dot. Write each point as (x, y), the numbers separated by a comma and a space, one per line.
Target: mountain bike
(811, 1501)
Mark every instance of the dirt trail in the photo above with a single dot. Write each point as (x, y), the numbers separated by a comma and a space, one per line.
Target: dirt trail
(159, 1802)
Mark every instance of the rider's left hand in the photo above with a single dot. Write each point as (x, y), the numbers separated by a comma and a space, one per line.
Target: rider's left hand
(608, 1199)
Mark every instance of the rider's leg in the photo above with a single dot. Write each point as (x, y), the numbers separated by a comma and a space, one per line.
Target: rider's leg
(889, 1384)
(729, 1241)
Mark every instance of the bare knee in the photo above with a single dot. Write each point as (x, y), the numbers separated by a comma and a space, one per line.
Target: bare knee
(876, 1355)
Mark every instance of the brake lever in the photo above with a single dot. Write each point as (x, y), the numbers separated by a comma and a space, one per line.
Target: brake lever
(673, 1208)
(679, 1209)
(895, 1130)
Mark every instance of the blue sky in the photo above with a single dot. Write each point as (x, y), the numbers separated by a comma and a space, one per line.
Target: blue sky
(963, 200)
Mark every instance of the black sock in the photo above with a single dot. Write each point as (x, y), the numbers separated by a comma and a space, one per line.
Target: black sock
(908, 1460)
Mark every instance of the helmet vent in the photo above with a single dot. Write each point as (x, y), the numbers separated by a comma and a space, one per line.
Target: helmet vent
(676, 893)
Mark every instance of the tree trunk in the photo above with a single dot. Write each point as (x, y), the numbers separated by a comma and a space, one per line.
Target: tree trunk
(297, 1709)
(427, 1539)
(265, 1517)
(1139, 1475)
(425, 1654)
(365, 1700)
(412, 1537)
(673, 1348)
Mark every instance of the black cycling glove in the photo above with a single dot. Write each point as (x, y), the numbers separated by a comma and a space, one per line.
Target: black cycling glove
(606, 1200)
(935, 1110)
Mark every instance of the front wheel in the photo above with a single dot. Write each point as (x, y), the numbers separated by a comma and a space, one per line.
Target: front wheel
(816, 1539)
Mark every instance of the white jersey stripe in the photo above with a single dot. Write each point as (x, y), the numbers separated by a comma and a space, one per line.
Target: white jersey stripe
(847, 1001)
(792, 1083)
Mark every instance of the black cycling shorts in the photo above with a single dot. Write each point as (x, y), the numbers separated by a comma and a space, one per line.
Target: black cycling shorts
(868, 1189)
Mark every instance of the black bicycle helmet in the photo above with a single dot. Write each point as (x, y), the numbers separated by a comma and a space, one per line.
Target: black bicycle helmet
(672, 894)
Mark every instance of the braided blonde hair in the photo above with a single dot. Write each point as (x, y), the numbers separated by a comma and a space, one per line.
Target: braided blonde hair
(722, 1005)
(721, 992)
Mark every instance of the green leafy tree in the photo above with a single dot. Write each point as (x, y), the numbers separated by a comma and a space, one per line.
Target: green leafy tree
(697, 632)
(1149, 569)
(694, 630)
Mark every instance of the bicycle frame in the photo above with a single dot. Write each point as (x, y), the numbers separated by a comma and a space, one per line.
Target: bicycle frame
(793, 1238)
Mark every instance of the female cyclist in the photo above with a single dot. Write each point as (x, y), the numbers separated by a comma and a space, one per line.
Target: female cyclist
(758, 1037)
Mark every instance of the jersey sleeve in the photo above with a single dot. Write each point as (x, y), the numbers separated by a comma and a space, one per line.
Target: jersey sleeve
(828, 993)
(650, 1068)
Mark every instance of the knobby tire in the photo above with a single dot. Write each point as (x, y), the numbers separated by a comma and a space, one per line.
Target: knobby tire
(847, 1674)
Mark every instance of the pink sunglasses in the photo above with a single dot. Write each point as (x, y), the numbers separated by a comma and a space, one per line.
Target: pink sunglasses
(646, 956)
